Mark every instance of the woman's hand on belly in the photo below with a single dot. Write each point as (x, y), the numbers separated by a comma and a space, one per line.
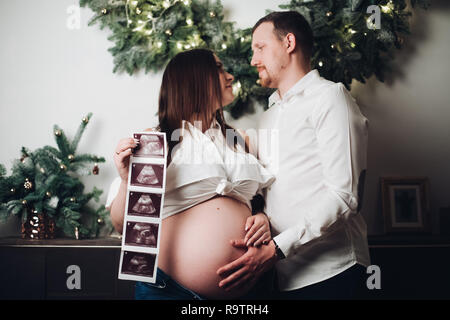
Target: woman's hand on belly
(246, 270)
(258, 230)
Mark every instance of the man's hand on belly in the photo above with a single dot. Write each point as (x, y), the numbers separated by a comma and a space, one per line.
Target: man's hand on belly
(247, 269)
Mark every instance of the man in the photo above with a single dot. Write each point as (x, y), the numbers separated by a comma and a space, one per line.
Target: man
(319, 246)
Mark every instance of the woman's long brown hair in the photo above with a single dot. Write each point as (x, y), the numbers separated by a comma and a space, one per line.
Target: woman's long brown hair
(191, 89)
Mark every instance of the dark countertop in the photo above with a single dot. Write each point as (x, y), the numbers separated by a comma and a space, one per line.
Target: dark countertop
(61, 242)
(375, 241)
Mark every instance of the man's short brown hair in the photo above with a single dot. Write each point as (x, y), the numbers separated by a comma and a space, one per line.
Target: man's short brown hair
(285, 22)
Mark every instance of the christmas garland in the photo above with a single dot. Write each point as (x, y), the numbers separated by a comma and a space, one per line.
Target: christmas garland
(348, 44)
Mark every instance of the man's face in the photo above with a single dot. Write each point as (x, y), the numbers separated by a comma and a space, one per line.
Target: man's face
(269, 55)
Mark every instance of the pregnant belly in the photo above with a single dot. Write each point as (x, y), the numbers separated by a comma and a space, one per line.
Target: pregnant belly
(196, 242)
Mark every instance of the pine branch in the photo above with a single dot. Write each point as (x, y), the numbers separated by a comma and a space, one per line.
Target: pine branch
(81, 128)
(62, 142)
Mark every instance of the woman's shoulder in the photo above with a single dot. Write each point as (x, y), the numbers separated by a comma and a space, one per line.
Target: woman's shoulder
(151, 129)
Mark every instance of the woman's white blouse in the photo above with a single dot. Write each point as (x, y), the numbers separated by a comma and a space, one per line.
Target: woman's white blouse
(204, 166)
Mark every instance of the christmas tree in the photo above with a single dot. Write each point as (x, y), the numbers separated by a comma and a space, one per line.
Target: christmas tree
(44, 188)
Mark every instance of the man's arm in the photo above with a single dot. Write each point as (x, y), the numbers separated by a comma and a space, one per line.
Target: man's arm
(341, 134)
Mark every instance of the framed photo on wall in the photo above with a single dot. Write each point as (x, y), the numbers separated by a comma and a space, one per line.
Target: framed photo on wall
(405, 204)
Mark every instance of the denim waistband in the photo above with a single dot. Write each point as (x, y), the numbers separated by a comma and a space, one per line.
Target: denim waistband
(167, 283)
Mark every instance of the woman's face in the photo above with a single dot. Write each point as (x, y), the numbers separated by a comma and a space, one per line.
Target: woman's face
(226, 81)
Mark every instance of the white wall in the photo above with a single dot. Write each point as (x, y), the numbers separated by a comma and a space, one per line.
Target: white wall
(50, 74)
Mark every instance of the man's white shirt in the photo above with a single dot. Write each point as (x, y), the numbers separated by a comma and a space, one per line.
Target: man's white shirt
(315, 143)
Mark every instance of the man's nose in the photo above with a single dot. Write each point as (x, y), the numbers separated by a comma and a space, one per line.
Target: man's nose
(254, 61)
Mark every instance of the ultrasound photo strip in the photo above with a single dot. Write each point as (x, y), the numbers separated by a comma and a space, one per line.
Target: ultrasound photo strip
(144, 203)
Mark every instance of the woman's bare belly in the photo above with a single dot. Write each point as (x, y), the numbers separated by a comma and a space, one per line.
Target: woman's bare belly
(196, 242)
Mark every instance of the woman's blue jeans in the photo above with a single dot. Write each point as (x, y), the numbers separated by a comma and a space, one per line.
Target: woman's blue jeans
(165, 288)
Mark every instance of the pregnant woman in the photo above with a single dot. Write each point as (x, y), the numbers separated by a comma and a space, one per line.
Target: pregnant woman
(211, 185)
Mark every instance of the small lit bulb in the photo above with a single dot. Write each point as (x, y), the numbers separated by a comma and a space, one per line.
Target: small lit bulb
(332, 46)
(186, 2)
(320, 64)
(179, 45)
(352, 45)
(159, 44)
(168, 32)
(387, 8)
(242, 39)
(166, 4)
(193, 44)
(189, 22)
(212, 14)
(329, 13)
(188, 46)
(236, 88)
(351, 31)
(140, 27)
(224, 46)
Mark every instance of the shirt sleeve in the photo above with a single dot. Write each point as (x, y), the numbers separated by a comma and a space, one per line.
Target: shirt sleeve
(341, 133)
(112, 193)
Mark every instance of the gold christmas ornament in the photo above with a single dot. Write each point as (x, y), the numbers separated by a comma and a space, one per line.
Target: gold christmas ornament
(138, 11)
(70, 157)
(12, 190)
(100, 220)
(57, 133)
(62, 167)
(28, 185)
(104, 11)
(72, 199)
(85, 120)
(24, 202)
(48, 194)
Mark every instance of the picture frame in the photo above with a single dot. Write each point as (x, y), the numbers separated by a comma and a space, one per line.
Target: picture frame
(405, 204)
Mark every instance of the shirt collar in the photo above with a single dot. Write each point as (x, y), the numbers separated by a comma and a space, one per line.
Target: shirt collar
(214, 125)
(297, 88)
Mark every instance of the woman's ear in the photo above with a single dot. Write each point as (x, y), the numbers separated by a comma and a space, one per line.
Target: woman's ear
(290, 42)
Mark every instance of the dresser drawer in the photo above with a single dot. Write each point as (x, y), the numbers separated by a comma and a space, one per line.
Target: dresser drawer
(81, 273)
(62, 269)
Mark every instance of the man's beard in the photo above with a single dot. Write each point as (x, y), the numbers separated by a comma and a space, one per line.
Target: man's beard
(267, 80)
